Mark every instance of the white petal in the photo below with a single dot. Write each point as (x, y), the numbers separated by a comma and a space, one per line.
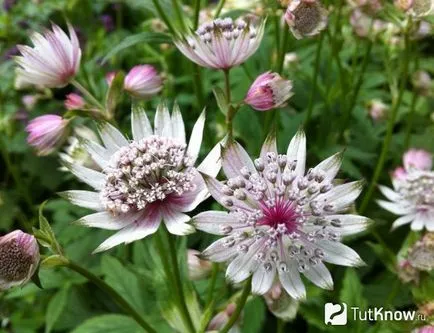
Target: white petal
(140, 123)
(91, 177)
(403, 220)
(339, 254)
(341, 196)
(213, 222)
(218, 252)
(263, 279)
(176, 222)
(105, 220)
(99, 154)
(234, 159)
(389, 193)
(111, 137)
(330, 166)
(395, 208)
(351, 224)
(419, 222)
(270, 145)
(178, 129)
(297, 152)
(291, 281)
(162, 123)
(320, 275)
(212, 163)
(86, 199)
(196, 137)
(244, 265)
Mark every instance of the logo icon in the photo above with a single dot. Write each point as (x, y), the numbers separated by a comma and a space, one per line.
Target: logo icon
(335, 314)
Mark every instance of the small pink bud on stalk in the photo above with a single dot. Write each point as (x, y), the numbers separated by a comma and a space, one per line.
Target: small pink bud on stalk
(417, 159)
(46, 132)
(280, 303)
(399, 173)
(377, 109)
(19, 257)
(221, 318)
(109, 77)
(269, 91)
(197, 268)
(306, 18)
(143, 81)
(74, 102)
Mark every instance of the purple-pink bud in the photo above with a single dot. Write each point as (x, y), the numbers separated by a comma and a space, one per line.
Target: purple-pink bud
(143, 81)
(399, 173)
(109, 77)
(19, 257)
(426, 329)
(269, 91)
(221, 318)
(197, 268)
(46, 132)
(417, 159)
(74, 102)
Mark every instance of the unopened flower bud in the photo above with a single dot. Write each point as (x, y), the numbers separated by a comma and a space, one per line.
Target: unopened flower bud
(197, 268)
(399, 174)
(19, 257)
(46, 132)
(290, 60)
(269, 91)
(280, 303)
(74, 102)
(29, 101)
(221, 318)
(417, 159)
(406, 272)
(377, 109)
(422, 82)
(143, 81)
(109, 77)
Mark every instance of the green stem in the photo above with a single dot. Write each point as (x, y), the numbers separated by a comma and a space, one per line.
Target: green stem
(197, 82)
(196, 14)
(220, 6)
(212, 283)
(179, 14)
(240, 306)
(113, 294)
(231, 110)
(88, 95)
(178, 283)
(391, 124)
(280, 326)
(164, 17)
(412, 109)
(315, 79)
(283, 47)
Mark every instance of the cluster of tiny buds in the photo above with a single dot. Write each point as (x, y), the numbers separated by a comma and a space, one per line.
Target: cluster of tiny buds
(146, 171)
(227, 27)
(419, 188)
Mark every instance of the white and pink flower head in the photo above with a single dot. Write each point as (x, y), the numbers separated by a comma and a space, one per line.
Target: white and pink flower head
(143, 81)
(269, 91)
(52, 62)
(412, 196)
(306, 18)
(145, 181)
(282, 221)
(46, 132)
(222, 43)
(19, 257)
(74, 101)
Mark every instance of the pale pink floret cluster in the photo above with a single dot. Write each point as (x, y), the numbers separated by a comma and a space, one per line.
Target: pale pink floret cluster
(143, 81)
(144, 181)
(222, 43)
(19, 257)
(269, 91)
(52, 62)
(412, 196)
(282, 221)
(46, 132)
(306, 18)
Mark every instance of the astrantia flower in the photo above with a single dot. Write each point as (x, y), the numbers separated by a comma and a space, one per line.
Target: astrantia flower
(19, 257)
(53, 61)
(281, 221)
(417, 159)
(222, 43)
(421, 254)
(306, 18)
(412, 198)
(269, 91)
(421, 8)
(143, 81)
(144, 181)
(46, 132)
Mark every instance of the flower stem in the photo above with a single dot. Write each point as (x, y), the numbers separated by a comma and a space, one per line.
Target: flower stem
(88, 95)
(198, 88)
(164, 17)
(283, 47)
(112, 292)
(391, 123)
(412, 109)
(280, 326)
(240, 306)
(196, 13)
(231, 110)
(220, 6)
(179, 14)
(177, 280)
(211, 285)
(315, 79)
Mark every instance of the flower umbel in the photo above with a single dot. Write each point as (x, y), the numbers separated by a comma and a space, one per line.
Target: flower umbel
(143, 81)
(269, 91)
(222, 43)
(306, 18)
(281, 221)
(53, 61)
(144, 181)
(19, 257)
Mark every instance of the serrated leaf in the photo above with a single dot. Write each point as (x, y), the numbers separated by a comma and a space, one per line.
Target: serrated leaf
(109, 324)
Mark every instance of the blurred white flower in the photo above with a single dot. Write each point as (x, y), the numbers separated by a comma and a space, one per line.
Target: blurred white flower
(281, 220)
(144, 181)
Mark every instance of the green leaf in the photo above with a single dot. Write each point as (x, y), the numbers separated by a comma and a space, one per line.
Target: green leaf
(385, 255)
(254, 314)
(55, 308)
(114, 93)
(144, 37)
(53, 261)
(109, 324)
(221, 100)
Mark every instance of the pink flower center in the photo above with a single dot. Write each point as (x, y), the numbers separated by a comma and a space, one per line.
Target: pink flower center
(281, 212)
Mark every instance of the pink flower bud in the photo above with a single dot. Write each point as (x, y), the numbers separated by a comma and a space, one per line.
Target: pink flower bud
(74, 102)
(46, 132)
(377, 109)
(269, 91)
(221, 318)
(280, 303)
(143, 81)
(197, 268)
(417, 159)
(29, 101)
(19, 257)
(109, 77)
(399, 173)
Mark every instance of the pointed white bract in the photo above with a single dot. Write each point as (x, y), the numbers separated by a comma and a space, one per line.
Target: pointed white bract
(144, 181)
(281, 220)
(52, 62)
(222, 43)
